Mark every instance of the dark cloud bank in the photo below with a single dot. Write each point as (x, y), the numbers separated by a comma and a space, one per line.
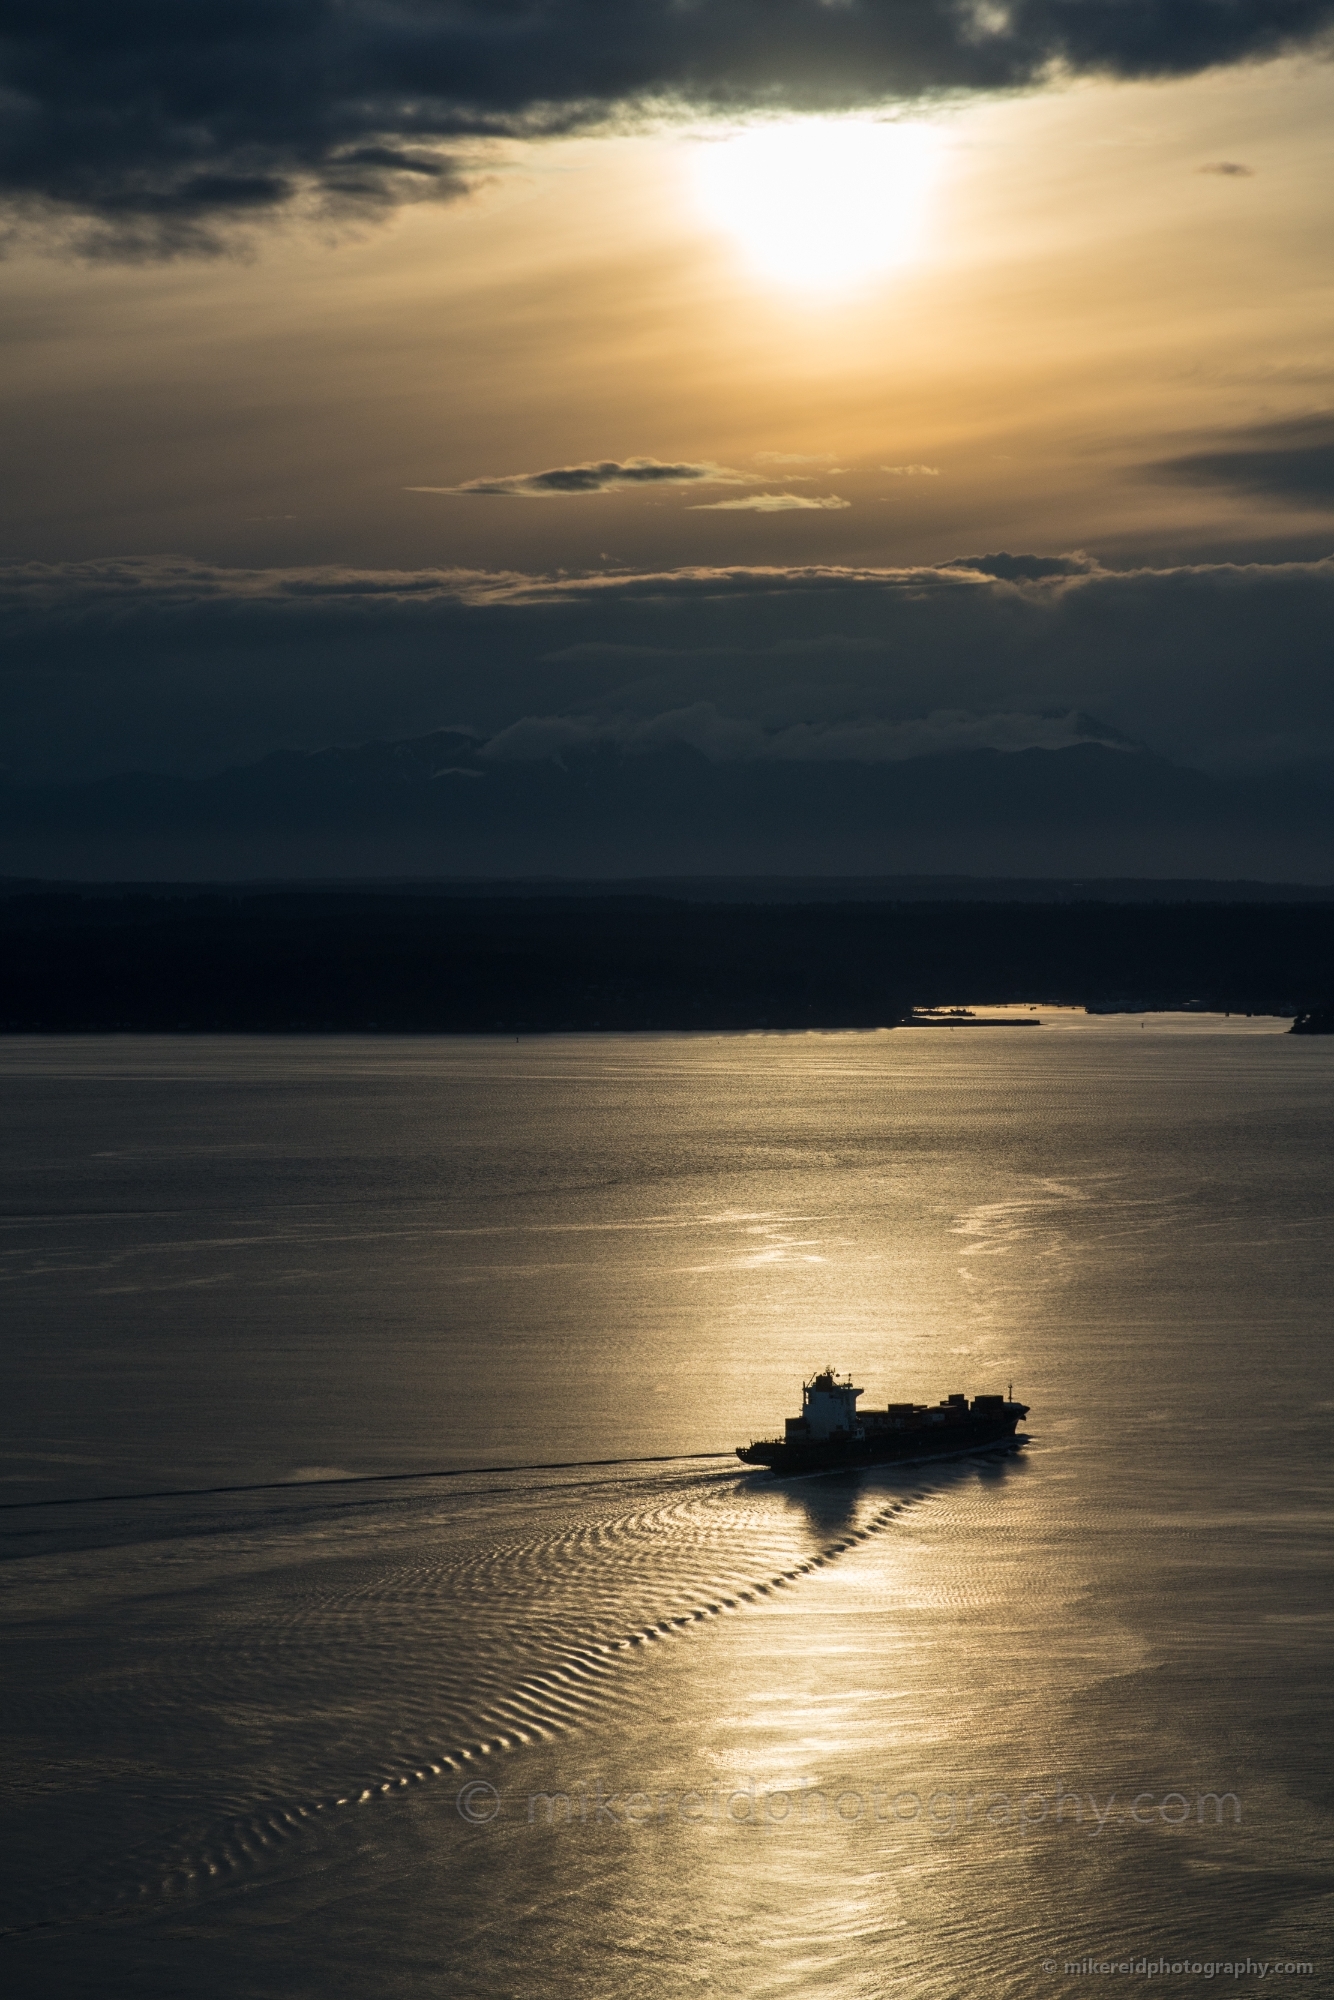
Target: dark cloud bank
(1290, 462)
(164, 123)
(1002, 714)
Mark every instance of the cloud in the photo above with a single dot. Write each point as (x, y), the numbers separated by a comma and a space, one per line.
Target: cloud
(1026, 569)
(1230, 169)
(1291, 461)
(179, 666)
(607, 475)
(798, 458)
(771, 503)
(912, 471)
(158, 129)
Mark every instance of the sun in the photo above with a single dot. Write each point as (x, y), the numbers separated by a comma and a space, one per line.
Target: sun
(821, 203)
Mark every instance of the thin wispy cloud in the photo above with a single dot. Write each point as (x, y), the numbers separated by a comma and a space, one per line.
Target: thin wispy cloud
(912, 471)
(772, 503)
(1291, 461)
(797, 458)
(605, 475)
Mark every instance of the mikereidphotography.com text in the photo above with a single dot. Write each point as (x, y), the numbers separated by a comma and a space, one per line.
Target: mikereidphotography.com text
(939, 1812)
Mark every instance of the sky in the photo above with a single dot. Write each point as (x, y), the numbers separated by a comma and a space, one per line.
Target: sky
(894, 432)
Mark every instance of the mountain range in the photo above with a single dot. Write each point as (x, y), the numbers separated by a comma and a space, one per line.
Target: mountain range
(440, 806)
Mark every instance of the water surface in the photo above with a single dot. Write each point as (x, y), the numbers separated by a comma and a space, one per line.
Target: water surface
(814, 1737)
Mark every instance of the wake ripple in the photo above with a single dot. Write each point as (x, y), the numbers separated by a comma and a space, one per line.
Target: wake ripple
(298, 1695)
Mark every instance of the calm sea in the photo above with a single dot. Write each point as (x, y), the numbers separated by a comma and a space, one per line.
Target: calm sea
(662, 1726)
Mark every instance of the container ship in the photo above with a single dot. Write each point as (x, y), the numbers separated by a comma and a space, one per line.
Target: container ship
(832, 1433)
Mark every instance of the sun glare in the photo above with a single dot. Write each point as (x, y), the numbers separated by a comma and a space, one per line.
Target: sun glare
(822, 203)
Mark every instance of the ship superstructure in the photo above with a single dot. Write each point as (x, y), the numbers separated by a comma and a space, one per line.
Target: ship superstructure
(832, 1432)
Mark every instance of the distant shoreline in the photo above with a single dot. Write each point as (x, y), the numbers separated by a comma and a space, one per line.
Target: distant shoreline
(318, 960)
(732, 889)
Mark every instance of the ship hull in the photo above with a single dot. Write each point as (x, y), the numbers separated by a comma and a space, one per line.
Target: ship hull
(909, 1446)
